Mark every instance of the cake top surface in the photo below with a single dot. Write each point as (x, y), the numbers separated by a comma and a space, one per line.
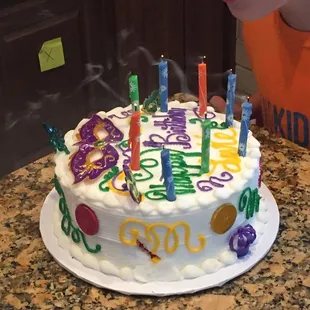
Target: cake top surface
(93, 170)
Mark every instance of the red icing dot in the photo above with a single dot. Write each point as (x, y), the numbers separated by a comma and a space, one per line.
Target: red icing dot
(87, 219)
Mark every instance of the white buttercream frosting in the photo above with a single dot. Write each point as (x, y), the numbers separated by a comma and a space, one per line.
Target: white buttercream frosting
(129, 262)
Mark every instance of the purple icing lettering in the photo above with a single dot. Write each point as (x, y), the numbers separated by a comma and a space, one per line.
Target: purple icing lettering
(174, 122)
(214, 182)
(179, 139)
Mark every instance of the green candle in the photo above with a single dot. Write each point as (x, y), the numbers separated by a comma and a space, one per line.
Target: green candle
(134, 92)
(205, 146)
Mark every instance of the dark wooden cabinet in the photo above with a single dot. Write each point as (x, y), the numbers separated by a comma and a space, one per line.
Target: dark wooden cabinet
(103, 41)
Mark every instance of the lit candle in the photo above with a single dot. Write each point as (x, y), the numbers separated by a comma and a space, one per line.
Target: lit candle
(205, 146)
(163, 84)
(134, 92)
(134, 140)
(202, 83)
(230, 101)
(167, 174)
(244, 130)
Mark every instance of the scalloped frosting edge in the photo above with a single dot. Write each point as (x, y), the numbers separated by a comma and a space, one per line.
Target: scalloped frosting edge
(151, 272)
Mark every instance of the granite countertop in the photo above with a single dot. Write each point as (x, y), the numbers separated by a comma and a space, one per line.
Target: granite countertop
(31, 279)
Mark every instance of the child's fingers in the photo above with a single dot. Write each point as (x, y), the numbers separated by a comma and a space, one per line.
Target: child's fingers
(219, 105)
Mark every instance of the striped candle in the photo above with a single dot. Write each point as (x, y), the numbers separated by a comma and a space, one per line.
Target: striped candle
(163, 84)
(167, 174)
(134, 92)
(244, 130)
(205, 146)
(202, 87)
(230, 101)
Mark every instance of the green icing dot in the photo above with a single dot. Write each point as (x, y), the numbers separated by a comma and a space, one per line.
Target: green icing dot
(144, 119)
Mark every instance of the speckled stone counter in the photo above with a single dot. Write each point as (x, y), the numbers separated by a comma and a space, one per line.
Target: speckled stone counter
(31, 279)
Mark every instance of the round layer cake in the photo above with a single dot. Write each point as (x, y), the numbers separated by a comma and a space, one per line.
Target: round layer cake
(100, 224)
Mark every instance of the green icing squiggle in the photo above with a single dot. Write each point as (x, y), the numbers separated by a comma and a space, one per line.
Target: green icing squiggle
(181, 175)
(152, 163)
(249, 200)
(214, 124)
(66, 223)
(107, 177)
(144, 119)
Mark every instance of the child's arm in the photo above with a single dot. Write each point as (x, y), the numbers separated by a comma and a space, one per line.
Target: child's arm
(219, 105)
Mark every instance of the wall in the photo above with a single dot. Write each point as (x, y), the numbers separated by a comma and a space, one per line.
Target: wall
(246, 84)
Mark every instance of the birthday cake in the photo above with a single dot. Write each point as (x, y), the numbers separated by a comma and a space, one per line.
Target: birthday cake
(180, 205)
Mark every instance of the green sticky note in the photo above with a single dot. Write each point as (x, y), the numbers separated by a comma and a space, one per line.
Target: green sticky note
(51, 55)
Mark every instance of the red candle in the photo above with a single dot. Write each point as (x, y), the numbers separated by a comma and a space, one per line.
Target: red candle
(202, 82)
(134, 141)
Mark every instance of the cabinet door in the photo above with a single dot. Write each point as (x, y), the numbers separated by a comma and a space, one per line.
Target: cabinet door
(145, 31)
(29, 97)
(210, 31)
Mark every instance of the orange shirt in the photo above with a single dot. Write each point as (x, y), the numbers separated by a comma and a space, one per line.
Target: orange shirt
(280, 60)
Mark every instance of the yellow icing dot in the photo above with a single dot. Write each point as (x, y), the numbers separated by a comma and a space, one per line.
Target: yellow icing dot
(223, 218)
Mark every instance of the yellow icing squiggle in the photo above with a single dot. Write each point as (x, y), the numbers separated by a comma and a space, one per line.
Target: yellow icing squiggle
(228, 149)
(151, 235)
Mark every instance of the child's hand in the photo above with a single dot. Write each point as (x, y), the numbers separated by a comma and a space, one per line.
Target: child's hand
(219, 105)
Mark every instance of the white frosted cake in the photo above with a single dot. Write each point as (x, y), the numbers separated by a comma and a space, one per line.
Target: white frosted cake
(207, 226)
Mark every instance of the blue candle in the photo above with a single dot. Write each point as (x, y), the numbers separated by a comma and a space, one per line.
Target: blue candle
(163, 84)
(167, 174)
(244, 131)
(230, 101)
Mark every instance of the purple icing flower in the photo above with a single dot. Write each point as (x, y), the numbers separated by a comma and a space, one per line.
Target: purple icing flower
(241, 240)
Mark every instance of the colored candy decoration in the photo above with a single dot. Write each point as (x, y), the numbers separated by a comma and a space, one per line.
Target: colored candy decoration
(131, 185)
(151, 104)
(67, 224)
(167, 175)
(230, 101)
(134, 92)
(86, 219)
(56, 139)
(82, 167)
(244, 131)
(205, 146)
(223, 218)
(202, 87)
(241, 240)
(249, 200)
(163, 84)
(134, 141)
